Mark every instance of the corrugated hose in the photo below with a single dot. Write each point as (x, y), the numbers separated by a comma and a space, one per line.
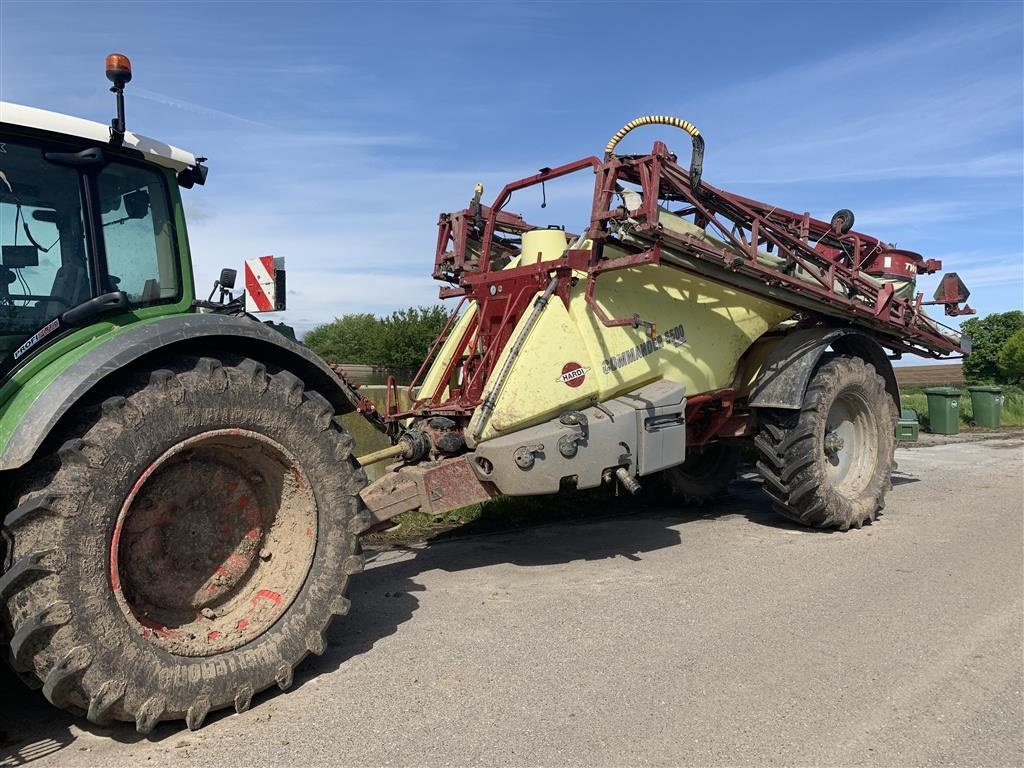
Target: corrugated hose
(696, 158)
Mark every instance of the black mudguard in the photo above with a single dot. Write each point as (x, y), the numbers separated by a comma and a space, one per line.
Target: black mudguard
(193, 334)
(790, 364)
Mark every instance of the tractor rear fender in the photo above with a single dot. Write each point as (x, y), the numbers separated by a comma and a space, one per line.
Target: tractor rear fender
(182, 334)
(788, 367)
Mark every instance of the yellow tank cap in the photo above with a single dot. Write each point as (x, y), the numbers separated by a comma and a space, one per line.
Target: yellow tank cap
(543, 245)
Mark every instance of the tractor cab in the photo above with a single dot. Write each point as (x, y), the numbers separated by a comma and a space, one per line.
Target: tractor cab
(88, 226)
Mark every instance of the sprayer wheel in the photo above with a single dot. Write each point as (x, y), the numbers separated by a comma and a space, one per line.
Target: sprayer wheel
(829, 465)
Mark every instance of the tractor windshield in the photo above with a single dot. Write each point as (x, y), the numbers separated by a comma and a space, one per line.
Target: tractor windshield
(56, 256)
(44, 261)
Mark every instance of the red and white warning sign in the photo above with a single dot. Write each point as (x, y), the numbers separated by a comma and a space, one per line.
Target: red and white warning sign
(264, 284)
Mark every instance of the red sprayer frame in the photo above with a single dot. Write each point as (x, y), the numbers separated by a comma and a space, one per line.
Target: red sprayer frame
(474, 244)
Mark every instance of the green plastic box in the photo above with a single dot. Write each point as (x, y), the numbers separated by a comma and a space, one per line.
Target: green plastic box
(907, 426)
(987, 405)
(944, 410)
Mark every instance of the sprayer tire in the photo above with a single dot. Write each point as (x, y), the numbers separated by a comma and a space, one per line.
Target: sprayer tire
(829, 465)
(72, 599)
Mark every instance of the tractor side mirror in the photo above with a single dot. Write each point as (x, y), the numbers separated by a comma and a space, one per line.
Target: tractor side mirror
(225, 284)
(193, 175)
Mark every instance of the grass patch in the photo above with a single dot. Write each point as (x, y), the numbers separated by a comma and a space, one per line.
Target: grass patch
(1013, 405)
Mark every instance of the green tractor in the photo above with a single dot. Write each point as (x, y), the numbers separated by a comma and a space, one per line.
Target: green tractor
(180, 507)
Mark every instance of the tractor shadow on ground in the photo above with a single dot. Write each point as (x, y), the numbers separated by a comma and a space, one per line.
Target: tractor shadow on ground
(30, 728)
(385, 596)
(902, 478)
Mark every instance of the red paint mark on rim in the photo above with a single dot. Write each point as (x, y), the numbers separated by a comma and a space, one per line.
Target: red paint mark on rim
(115, 542)
(155, 627)
(235, 566)
(267, 594)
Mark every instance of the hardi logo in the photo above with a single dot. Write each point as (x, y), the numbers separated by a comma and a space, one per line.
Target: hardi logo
(573, 374)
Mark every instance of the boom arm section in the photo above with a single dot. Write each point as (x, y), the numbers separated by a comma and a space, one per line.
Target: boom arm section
(791, 258)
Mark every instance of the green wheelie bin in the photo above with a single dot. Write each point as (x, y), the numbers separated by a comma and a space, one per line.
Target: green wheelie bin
(987, 405)
(944, 410)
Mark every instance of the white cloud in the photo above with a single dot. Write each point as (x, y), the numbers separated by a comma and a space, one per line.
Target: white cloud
(190, 106)
(927, 213)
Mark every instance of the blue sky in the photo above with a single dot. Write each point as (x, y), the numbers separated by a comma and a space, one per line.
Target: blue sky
(336, 132)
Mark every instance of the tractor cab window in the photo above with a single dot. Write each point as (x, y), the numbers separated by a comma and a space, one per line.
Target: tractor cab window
(44, 262)
(138, 234)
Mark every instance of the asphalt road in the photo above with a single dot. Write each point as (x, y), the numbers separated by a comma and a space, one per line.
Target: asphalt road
(723, 638)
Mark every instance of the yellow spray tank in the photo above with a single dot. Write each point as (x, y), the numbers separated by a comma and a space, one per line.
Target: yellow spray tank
(701, 331)
(543, 245)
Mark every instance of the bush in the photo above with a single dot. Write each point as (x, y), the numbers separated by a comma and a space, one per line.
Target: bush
(399, 340)
(988, 336)
(349, 339)
(406, 336)
(1011, 359)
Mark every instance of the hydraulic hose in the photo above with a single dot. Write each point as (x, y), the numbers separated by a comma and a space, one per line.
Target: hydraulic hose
(697, 156)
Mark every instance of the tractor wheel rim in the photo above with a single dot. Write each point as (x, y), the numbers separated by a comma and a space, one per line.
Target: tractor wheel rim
(213, 543)
(849, 450)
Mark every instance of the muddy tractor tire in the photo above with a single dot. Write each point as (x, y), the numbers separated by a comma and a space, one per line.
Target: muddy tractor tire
(184, 545)
(705, 475)
(829, 465)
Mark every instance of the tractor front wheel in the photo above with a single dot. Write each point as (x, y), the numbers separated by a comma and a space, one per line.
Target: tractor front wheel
(184, 545)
